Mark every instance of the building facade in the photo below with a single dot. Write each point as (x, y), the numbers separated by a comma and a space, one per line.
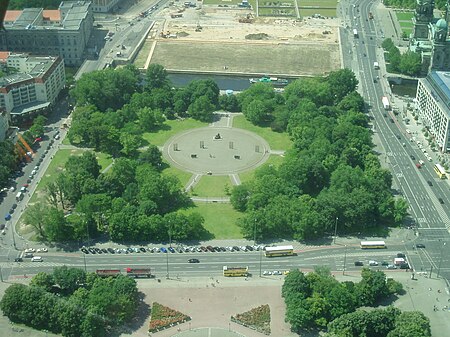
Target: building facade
(64, 32)
(33, 88)
(104, 6)
(433, 106)
(430, 38)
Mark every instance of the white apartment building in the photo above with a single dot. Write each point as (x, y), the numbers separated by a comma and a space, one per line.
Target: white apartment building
(433, 106)
(34, 88)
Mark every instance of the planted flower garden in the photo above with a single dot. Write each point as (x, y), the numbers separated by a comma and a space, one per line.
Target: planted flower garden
(256, 318)
(164, 317)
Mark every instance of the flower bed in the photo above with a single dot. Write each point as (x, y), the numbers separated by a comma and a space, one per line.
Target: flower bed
(256, 318)
(163, 317)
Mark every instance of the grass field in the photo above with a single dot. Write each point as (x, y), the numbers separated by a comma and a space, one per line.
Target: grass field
(142, 56)
(212, 186)
(289, 59)
(181, 175)
(318, 3)
(311, 11)
(273, 160)
(220, 219)
(404, 16)
(57, 166)
(171, 128)
(277, 12)
(277, 141)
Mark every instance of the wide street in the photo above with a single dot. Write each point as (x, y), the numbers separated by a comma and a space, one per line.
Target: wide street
(393, 141)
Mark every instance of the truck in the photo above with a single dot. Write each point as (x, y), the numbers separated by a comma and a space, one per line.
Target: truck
(235, 271)
(385, 102)
(176, 15)
(355, 33)
(370, 15)
(108, 272)
(376, 66)
(139, 272)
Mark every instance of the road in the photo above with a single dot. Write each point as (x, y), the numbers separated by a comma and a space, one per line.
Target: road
(335, 257)
(392, 138)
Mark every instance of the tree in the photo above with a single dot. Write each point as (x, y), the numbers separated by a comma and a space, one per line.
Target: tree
(202, 109)
(149, 119)
(257, 112)
(43, 280)
(372, 287)
(151, 155)
(341, 83)
(156, 77)
(229, 103)
(56, 227)
(413, 323)
(35, 216)
(239, 197)
(130, 144)
(69, 279)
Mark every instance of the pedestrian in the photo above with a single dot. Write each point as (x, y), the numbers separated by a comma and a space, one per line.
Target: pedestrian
(190, 300)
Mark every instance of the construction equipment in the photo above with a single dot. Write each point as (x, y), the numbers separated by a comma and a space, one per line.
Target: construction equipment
(248, 19)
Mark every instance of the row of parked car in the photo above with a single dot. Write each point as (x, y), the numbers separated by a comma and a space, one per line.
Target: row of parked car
(179, 249)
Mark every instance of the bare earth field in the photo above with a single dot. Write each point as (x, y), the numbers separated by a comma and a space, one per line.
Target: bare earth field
(308, 47)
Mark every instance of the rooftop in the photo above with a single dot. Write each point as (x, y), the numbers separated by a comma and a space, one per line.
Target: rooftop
(440, 81)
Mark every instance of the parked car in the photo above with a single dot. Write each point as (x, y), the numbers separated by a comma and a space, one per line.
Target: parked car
(92, 250)
(441, 200)
(420, 245)
(111, 250)
(194, 261)
(359, 263)
(37, 259)
(18, 259)
(171, 249)
(384, 263)
(373, 263)
(276, 272)
(391, 266)
(402, 255)
(142, 249)
(104, 250)
(84, 250)
(42, 250)
(163, 250)
(266, 272)
(210, 248)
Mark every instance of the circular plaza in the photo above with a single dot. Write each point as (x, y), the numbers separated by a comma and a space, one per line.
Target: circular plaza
(216, 150)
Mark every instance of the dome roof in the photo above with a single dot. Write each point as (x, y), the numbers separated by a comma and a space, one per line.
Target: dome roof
(441, 24)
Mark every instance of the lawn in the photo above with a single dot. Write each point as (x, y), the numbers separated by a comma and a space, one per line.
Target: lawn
(220, 219)
(404, 16)
(406, 24)
(142, 56)
(183, 176)
(273, 160)
(276, 140)
(212, 186)
(171, 128)
(276, 11)
(318, 3)
(311, 11)
(57, 166)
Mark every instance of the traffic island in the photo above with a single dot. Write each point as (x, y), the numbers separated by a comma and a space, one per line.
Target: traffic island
(163, 317)
(257, 319)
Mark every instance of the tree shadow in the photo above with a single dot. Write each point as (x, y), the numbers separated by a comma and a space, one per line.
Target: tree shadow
(142, 313)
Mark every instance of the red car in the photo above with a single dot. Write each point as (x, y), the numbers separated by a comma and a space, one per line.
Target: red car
(418, 165)
(38, 139)
(25, 185)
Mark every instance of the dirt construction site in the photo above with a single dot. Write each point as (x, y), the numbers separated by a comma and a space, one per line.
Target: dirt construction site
(234, 41)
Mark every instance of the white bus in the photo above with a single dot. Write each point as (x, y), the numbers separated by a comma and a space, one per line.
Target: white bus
(279, 251)
(373, 245)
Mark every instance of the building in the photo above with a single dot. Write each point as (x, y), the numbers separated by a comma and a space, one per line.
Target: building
(33, 88)
(104, 6)
(430, 38)
(64, 32)
(433, 106)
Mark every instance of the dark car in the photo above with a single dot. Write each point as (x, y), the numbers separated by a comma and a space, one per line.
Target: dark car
(142, 249)
(250, 248)
(385, 263)
(11, 211)
(236, 248)
(217, 249)
(112, 251)
(429, 183)
(85, 250)
(441, 200)
(412, 157)
(104, 250)
(163, 250)
(223, 249)
(98, 250)
(2, 226)
(401, 255)
(171, 249)
(210, 248)
(404, 266)
(18, 259)
(194, 261)
(130, 250)
(398, 137)
(420, 245)
(203, 249)
(92, 251)
(359, 263)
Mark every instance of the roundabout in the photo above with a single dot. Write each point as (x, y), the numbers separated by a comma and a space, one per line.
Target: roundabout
(216, 151)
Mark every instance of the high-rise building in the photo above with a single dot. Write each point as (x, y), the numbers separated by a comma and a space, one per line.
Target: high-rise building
(64, 32)
(104, 6)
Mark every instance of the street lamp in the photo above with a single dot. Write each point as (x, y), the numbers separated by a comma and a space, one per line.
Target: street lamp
(440, 260)
(335, 230)
(345, 259)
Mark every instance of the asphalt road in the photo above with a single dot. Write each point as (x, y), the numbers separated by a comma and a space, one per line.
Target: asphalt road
(211, 264)
(431, 218)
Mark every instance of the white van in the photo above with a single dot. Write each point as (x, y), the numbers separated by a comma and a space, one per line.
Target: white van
(37, 259)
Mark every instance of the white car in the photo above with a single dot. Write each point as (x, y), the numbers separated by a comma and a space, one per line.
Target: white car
(30, 250)
(391, 266)
(276, 272)
(266, 272)
(42, 250)
(37, 259)
(373, 263)
(243, 248)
